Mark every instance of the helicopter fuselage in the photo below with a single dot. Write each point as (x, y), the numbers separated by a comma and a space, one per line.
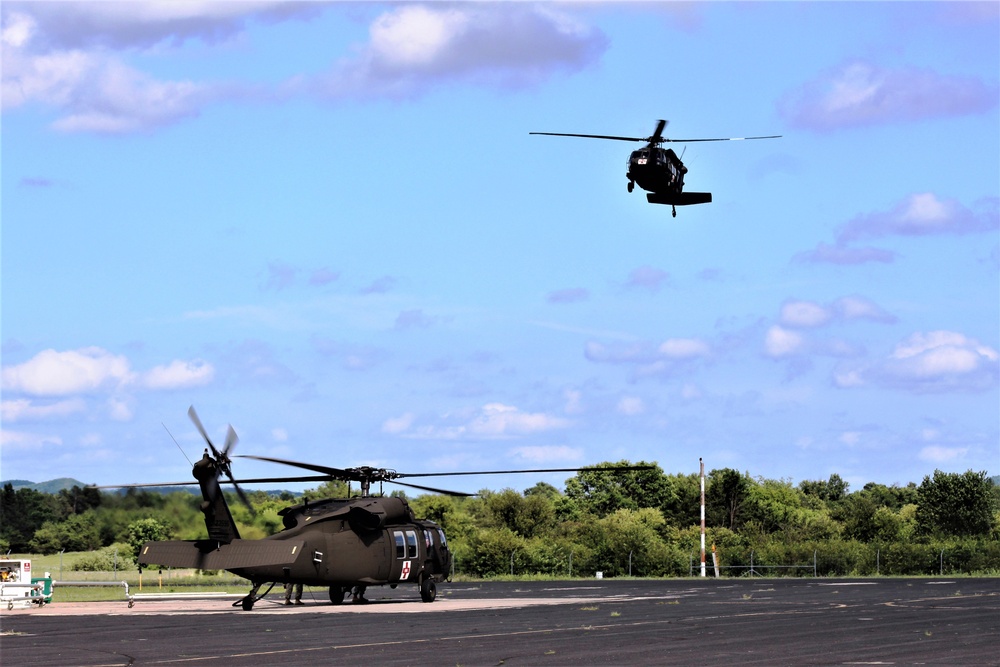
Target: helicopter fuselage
(358, 541)
(338, 543)
(656, 169)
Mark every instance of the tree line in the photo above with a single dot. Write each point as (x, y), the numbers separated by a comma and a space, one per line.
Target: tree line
(638, 522)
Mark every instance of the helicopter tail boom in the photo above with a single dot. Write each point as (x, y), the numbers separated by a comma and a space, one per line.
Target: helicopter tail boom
(210, 555)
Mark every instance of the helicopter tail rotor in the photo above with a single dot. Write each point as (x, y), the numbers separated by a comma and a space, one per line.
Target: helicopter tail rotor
(221, 460)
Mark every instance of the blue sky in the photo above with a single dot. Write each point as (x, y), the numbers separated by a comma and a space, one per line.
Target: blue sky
(328, 225)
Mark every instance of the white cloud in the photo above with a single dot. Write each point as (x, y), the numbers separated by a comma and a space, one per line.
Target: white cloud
(630, 406)
(921, 214)
(72, 57)
(859, 93)
(804, 314)
(925, 214)
(648, 359)
(74, 374)
(546, 454)
(937, 361)
(844, 255)
(179, 375)
(684, 348)
(400, 424)
(499, 420)
(491, 421)
(22, 441)
(93, 91)
(647, 277)
(574, 403)
(52, 373)
(414, 48)
(780, 342)
(415, 36)
(939, 454)
(860, 308)
(25, 410)
(799, 314)
(119, 409)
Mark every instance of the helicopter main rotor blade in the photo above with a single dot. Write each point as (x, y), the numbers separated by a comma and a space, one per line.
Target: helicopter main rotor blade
(460, 494)
(591, 136)
(690, 141)
(201, 429)
(518, 472)
(658, 134)
(256, 480)
(331, 472)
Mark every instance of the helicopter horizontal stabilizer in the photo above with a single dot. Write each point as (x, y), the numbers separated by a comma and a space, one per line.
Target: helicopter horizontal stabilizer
(679, 198)
(210, 555)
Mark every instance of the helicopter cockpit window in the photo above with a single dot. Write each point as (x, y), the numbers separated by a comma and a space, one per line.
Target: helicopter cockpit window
(411, 544)
(400, 546)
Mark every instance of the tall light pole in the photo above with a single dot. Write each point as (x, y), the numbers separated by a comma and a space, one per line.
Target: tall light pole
(702, 475)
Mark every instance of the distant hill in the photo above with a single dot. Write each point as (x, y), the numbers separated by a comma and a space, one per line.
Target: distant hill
(52, 486)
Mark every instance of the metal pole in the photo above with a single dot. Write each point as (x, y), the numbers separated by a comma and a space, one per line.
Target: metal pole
(630, 563)
(702, 475)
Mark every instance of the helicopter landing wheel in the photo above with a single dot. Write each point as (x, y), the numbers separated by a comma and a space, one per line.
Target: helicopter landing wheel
(337, 594)
(631, 186)
(428, 591)
(673, 211)
(248, 603)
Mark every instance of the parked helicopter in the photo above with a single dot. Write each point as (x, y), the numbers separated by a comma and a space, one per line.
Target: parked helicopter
(337, 543)
(657, 169)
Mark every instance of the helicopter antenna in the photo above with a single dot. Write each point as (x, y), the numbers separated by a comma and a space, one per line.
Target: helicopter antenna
(176, 443)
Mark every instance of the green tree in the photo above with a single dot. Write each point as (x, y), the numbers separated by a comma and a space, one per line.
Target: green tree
(497, 551)
(527, 516)
(726, 497)
(22, 512)
(78, 532)
(958, 504)
(857, 513)
(142, 531)
(832, 490)
(893, 497)
(633, 539)
(682, 504)
(600, 491)
(78, 500)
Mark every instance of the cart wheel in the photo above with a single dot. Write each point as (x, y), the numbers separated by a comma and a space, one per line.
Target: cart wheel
(131, 603)
(10, 605)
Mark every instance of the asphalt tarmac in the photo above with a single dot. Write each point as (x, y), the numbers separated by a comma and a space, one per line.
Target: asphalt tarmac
(597, 622)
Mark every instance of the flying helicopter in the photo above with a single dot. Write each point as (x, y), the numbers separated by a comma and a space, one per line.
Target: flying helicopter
(658, 170)
(339, 543)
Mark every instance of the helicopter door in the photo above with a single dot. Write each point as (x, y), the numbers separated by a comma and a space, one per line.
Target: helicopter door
(407, 554)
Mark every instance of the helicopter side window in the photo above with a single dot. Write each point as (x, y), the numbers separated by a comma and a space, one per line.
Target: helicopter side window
(400, 548)
(444, 542)
(411, 544)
